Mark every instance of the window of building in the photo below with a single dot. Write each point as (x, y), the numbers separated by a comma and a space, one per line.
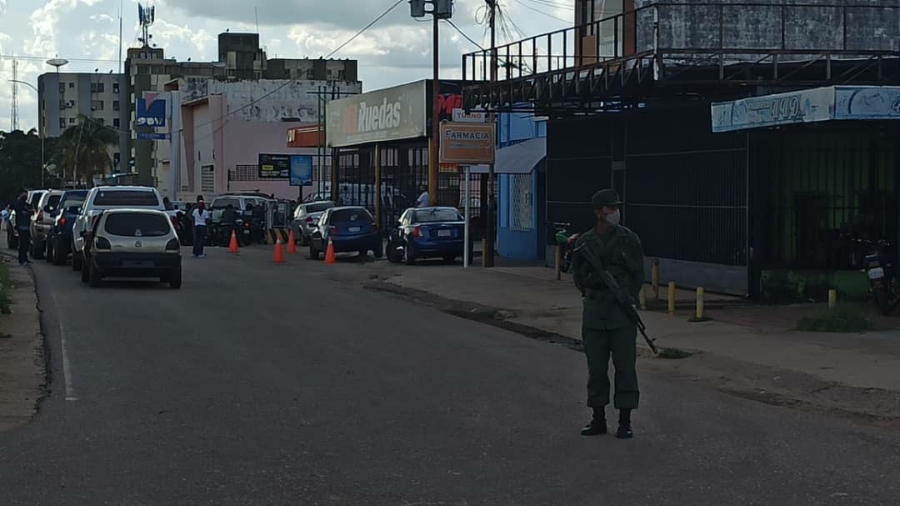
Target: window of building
(62, 105)
(115, 87)
(96, 105)
(71, 86)
(115, 105)
(62, 87)
(97, 87)
(71, 121)
(62, 122)
(116, 122)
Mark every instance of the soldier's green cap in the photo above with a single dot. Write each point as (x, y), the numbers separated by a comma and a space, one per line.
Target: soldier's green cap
(606, 197)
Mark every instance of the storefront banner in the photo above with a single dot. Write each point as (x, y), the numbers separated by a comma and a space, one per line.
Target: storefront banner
(805, 106)
(867, 102)
(467, 143)
(378, 116)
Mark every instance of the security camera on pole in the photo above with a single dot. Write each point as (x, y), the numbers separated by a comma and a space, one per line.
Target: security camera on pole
(440, 9)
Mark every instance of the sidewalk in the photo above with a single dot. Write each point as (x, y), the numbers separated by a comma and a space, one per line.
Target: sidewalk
(532, 297)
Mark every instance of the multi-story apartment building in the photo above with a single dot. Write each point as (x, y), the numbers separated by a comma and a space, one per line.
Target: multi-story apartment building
(103, 97)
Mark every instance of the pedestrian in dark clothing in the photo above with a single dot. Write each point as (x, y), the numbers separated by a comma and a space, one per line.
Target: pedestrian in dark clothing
(23, 221)
(606, 328)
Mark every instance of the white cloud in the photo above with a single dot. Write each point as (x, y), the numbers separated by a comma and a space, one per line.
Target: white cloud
(394, 51)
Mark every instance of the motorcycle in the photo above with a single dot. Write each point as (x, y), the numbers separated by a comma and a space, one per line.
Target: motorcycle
(882, 276)
(565, 239)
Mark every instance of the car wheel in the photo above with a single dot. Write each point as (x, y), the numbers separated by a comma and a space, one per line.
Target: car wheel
(77, 260)
(85, 272)
(175, 278)
(49, 254)
(94, 276)
(409, 255)
(59, 253)
(390, 252)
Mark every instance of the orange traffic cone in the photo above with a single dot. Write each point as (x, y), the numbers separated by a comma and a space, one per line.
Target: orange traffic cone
(329, 252)
(233, 245)
(278, 256)
(292, 243)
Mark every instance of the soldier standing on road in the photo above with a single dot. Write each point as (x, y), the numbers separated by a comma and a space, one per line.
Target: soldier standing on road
(606, 329)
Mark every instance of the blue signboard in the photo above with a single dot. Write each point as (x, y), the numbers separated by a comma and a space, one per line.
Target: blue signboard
(152, 136)
(150, 114)
(867, 102)
(301, 170)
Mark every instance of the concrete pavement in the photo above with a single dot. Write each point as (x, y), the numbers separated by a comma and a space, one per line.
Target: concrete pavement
(281, 384)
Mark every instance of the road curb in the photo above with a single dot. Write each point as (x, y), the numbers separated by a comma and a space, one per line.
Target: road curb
(28, 381)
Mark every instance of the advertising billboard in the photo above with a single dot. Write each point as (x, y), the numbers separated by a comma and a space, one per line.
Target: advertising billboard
(274, 166)
(150, 111)
(301, 170)
(467, 143)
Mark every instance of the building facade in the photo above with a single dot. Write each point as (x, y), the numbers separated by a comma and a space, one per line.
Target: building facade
(104, 97)
(772, 209)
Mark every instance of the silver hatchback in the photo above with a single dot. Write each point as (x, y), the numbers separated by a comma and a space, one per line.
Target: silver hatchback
(132, 243)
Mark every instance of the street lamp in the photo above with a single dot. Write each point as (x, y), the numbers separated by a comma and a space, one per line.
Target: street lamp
(40, 130)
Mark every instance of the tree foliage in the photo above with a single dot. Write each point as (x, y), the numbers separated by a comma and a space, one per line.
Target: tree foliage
(20, 163)
(83, 150)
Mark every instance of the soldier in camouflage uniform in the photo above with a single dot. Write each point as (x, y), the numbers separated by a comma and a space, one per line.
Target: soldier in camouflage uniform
(606, 329)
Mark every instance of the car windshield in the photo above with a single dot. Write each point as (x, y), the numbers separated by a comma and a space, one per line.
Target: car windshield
(223, 203)
(137, 225)
(348, 215)
(318, 208)
(436, 215)
(126, 198)
(73, 201)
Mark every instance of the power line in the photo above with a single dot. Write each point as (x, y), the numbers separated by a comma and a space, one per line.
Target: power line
(551, 3)
(45, 58)
(351, 39)
(523, 4)
(450, 21)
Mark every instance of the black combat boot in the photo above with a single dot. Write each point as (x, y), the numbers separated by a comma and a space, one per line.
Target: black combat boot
(597, 425)
(624, 431)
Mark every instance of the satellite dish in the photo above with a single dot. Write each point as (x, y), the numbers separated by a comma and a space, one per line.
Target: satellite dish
(57, 62)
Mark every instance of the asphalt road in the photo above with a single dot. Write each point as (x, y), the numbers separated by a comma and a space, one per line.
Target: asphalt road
(276, 384)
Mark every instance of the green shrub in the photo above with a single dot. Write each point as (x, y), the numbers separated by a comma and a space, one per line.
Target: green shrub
(841, 318)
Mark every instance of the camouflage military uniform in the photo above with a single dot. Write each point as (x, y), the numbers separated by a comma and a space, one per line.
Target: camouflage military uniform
(606, 329)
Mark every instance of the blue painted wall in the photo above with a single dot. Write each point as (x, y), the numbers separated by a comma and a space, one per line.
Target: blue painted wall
(520, 245)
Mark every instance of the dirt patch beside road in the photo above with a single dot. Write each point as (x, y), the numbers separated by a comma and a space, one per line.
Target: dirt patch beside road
(22, 362)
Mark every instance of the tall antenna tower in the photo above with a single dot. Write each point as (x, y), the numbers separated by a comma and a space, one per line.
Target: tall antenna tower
(14, 115)
(146, 16)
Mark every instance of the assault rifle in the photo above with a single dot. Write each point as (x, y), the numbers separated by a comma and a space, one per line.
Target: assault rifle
(622, 298)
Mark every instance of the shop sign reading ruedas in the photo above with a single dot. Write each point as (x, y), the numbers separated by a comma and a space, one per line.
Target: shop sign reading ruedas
(377, 116)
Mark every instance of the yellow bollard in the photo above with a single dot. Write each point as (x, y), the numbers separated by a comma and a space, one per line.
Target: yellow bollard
(558, 265)
(699, 312)
(642, 298)
(832, 299)
(654, 278)
(671, 297)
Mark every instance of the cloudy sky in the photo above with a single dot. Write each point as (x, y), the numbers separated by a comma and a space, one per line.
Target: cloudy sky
(394, 51)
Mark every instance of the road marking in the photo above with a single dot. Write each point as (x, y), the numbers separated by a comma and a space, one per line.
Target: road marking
(67, 371)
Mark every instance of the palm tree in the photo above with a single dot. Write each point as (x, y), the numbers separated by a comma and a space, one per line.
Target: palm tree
(83, 149)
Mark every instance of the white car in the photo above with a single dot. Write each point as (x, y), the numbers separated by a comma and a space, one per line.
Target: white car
(102, 198)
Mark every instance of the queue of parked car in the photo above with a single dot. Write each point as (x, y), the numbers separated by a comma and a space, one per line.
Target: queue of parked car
(107, 231)
(420, 233)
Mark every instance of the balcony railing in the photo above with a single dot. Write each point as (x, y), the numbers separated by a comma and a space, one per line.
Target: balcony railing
(699, 33)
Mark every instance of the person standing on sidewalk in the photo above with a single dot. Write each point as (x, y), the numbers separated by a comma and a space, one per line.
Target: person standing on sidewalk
(201, 221)
(23, 221)
(606, 328)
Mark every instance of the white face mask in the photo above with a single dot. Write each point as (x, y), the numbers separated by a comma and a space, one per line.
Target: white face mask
(613, 219)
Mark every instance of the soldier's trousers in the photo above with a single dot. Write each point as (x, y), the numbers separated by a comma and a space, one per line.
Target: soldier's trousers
(598, 346)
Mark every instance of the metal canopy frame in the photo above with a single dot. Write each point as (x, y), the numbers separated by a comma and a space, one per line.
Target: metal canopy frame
(617, 66)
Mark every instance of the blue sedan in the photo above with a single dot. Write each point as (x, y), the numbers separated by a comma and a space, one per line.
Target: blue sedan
(349, 229)
(427, 232)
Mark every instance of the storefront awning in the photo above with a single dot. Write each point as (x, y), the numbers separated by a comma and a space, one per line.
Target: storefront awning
(808, 106)
(519, 158)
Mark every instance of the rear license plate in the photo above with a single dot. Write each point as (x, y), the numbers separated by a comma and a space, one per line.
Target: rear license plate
(354, 229)
(137, 264)
(876, 273)
(444, 233)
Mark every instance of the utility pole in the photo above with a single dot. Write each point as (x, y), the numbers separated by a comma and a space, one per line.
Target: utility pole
(14, 113)
(491, 222)
(440, 9)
